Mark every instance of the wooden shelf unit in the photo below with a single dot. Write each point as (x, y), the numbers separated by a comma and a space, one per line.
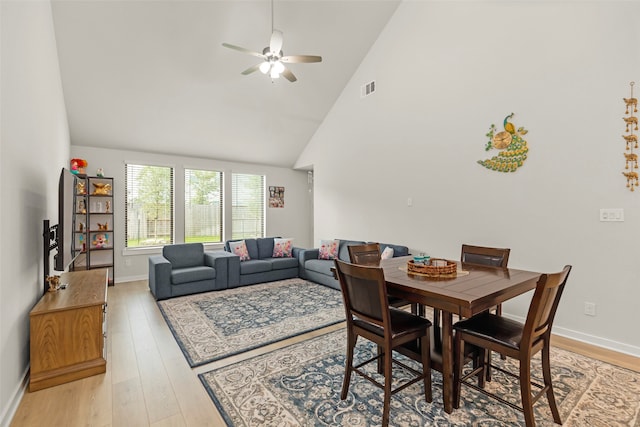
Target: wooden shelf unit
(94, 210)
(68, 330)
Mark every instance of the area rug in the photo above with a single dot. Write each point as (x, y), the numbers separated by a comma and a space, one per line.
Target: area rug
(214, 325)
(300, 385)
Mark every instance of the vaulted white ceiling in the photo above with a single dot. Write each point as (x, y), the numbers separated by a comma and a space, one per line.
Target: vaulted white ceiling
(153, 75)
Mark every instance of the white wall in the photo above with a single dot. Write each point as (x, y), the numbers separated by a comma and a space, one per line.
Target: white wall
(294, 220)
(444, 72)
(34, 146)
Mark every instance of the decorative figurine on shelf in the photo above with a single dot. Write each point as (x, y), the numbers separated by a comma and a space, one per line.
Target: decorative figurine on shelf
(81, 227)
(100, 173)
(78, 166)
(81, 189)
(82, 208)
(101, 188)
(54, 283)
(103, 227)
(107, 206)
(101, 240)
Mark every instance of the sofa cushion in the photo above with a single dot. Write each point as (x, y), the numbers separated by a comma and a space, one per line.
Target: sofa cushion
(255, 266)
(398, 250)
(328, 249)
(282, 263)
(192, 274)
(319, 266)
(184, 255)
(343, 253)
(240, 248)
(282, 248)
(265, 247)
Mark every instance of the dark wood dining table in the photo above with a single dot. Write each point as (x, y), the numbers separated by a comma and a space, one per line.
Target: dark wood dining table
(464, 295)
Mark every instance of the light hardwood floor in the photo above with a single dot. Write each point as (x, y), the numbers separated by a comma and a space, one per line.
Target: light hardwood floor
(149, 382)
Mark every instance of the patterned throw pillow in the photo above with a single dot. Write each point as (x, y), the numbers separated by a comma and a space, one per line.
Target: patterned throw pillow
(282, 248)
(328, 249)
(240, 248)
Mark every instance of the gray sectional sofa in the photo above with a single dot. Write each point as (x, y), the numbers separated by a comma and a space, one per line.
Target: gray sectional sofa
(262, 267)
(319, 270)
(185, 269)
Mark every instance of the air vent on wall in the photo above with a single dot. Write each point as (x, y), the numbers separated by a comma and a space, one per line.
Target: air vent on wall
(367, 89)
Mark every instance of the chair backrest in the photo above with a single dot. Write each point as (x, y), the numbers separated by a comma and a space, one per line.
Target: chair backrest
(481, 255)
(364, 292)
(543, 306)
(367, 254)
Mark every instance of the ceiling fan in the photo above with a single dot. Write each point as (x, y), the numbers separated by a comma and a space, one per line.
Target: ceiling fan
(273, 59)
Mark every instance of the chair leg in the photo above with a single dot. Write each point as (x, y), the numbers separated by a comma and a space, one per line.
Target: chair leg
(387, 390)
(380, 362)
(348, 365)
(436, 318)
(525, 392)
(425, 346)
(458, 362)
(546, 372)
(499, 313)
(482, 361)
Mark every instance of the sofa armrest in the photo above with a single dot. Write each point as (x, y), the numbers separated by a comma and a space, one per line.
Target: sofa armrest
(233, 266)
(220, 261)
(159, 277)
(307, 254)
(303, 256)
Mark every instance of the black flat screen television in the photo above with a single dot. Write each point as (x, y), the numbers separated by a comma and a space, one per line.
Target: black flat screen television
(65, 231)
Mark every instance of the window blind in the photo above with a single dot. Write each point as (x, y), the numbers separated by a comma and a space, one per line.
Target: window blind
(149, 206)
(248, 206)
(202, 206)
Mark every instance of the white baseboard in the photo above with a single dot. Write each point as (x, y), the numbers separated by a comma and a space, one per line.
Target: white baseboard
(9, 412)
(589, 339)
(131, 278)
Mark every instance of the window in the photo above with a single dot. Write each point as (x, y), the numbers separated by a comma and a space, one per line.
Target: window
(248, 206)
(149, 206)
(202, 206)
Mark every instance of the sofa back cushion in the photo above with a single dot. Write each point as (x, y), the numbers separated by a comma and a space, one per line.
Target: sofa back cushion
(343, 252)
(398, 250)
(265, 247)
(184, 255)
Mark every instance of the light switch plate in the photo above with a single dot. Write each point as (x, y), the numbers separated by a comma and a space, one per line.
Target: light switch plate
(611, 214)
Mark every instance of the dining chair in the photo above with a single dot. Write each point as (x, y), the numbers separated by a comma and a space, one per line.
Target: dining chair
(516, 340)
(368, 314)
(369, 254)
(484, 256)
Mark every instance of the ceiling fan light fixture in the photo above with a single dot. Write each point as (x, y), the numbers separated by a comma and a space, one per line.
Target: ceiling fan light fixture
(274, 74)
(278, 67)
(265, 67)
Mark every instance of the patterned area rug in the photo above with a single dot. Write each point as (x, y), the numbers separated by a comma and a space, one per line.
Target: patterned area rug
(214, 325)
(299, 385)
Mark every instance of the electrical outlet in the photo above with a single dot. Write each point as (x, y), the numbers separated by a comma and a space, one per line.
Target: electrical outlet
(590, 308)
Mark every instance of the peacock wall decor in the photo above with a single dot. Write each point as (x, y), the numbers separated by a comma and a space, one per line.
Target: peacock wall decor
(513, 147)
(631, 140)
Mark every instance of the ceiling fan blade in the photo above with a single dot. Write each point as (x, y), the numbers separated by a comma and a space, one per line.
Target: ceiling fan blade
(292, 59)
(288, 75)
(251, 69)
(243, 50)
(275, 45)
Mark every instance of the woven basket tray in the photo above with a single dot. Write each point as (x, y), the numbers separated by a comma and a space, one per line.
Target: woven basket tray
(431, 270)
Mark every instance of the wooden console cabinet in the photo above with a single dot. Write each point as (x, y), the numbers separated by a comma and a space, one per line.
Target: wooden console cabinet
(68, 330)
